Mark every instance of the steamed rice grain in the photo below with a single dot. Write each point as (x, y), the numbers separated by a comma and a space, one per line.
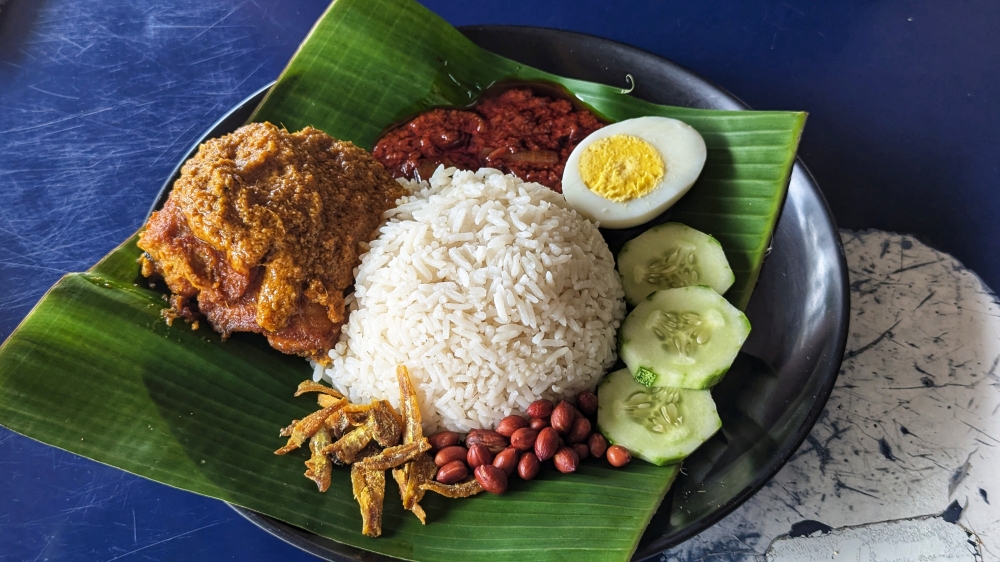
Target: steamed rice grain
(492, 291)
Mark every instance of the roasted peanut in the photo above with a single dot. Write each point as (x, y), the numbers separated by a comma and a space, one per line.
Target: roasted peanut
(580, 430)
(566, 460)
(540, 409)
(449, 454)
(506, 460)
(528, 466)
(510, 424)
(598, 445)
(443, 439)
(618, 456)
(546, 444)
(587, 403)
(491, 478)
(493, 440)
(562, 417)
(538, 424)
(523, 439)
(479, 454)
(452, 472)
(582, 450)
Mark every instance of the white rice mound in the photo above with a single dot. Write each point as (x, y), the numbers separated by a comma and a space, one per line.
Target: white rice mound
(492, 291)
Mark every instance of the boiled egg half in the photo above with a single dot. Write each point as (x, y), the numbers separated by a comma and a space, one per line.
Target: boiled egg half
(629, 172)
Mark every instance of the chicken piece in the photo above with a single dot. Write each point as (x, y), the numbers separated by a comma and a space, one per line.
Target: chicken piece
(264, 229)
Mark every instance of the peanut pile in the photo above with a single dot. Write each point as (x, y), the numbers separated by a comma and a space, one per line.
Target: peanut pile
(559, 432)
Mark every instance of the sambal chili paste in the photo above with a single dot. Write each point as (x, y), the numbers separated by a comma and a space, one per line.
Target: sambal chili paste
(518, 132)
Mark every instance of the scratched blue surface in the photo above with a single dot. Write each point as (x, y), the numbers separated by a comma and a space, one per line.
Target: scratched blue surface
(99, 98)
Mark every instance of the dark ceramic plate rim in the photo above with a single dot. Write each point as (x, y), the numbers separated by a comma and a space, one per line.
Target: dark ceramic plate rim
(706, 90)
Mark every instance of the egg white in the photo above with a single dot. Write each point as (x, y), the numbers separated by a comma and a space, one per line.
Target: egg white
(683, 152)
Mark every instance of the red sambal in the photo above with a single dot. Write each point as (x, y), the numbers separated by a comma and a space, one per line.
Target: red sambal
(518, 132)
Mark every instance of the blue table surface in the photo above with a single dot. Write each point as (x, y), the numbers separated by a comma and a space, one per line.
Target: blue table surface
(100, 98)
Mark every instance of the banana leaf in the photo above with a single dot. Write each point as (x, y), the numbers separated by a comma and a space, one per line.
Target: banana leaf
(94, 370)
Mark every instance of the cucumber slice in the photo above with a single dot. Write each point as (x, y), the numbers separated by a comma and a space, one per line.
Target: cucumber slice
(672, 255)
(661, 425)
(685, 338)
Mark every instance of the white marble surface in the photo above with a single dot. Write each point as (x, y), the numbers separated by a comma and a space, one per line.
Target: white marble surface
(911, 430)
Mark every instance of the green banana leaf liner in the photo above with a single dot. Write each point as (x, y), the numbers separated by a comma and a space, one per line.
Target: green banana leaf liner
(95, 370)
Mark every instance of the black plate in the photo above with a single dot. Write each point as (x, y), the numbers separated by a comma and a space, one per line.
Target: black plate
(779, 384)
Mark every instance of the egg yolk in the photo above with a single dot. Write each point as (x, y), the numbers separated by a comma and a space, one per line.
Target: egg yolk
(621, 167)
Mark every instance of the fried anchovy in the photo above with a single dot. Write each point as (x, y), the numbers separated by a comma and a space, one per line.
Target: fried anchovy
(305, 429)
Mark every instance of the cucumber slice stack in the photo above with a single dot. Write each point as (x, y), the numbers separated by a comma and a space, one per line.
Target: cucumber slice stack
(679, 341)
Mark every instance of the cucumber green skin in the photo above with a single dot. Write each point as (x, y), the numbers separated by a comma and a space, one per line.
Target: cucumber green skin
(702, 421)
(638, 353)
(713, 267)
